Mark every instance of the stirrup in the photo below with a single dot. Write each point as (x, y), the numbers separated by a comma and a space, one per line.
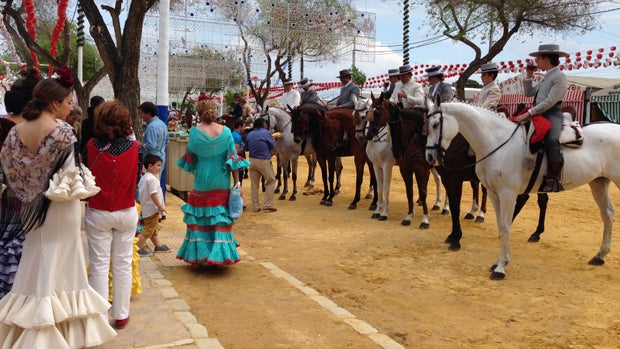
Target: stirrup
(550, 185)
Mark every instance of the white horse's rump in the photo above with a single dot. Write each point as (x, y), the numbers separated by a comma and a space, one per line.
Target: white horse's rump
(501, 169)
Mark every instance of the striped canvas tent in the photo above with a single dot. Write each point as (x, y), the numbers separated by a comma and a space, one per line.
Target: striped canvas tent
(512, 95)
(608, 101)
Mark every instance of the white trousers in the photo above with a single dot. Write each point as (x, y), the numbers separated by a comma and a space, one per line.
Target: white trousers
(110, 239)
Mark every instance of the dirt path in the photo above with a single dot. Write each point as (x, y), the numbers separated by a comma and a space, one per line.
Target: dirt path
(404, 282)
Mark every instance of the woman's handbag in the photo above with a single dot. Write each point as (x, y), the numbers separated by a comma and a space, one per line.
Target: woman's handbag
(235, 202)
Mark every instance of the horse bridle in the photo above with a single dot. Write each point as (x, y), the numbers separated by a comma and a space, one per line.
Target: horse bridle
(364, 127)
(441, 151)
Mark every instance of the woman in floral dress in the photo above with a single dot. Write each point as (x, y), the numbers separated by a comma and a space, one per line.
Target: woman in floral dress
(51, 304)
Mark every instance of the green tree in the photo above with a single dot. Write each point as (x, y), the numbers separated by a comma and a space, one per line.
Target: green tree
(357, 76)
(491, 23)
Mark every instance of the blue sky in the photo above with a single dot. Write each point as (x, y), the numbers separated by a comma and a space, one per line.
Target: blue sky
(389, 35)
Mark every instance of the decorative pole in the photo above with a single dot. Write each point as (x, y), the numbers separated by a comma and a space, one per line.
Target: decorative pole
(163, 57)
(405, 32)
(80, 42)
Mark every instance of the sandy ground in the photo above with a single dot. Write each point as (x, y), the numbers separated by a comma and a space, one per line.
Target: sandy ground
(404, 282)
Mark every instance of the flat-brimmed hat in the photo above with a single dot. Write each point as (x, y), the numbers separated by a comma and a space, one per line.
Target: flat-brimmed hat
(433, 71)
(343, 73)
(549, 49)
(489, 68)
(305, 83)
(404, 69)
(287, 81)
(393, 72)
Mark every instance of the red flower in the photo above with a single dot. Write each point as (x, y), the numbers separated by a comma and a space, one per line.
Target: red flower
(65, 76)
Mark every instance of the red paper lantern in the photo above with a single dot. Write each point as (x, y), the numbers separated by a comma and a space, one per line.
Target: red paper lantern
(613, 48)
(599, 56)
(611, 54)
(578, 54)
(589, 52)
(601, 50)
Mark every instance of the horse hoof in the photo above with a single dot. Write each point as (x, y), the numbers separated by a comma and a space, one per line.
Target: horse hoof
(382, 218)
(497, 276)
(368, 196)
(405, 222)
(375, 216)
(336, 192)
(469, 216)
(435, 208)
(492, 268)
(479, 219)
(328, 203)
(323, 202)
(454, 246)
(424, 225)
(534, 238)
(596, 261)
(445, 212)
(292, 198)
(276, 191)
(352, 207)
(372, 207)
(281, 197)
(419, 202)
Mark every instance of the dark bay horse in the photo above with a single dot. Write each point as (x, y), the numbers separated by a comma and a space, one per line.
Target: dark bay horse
(327, 130)
(408, 151)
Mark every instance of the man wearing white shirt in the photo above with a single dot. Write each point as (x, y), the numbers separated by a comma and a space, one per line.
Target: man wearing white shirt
(290, 97)
(490, 92)
(407, 92)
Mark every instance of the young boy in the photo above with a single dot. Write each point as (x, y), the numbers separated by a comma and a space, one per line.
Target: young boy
(152, 201)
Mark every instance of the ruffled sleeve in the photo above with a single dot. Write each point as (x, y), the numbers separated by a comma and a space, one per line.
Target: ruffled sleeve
(236, 162)
(187, 162)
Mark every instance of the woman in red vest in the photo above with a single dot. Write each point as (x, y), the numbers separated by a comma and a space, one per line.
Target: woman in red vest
(111, 216)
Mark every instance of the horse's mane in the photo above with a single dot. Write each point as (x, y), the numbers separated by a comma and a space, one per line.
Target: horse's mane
(484, 111)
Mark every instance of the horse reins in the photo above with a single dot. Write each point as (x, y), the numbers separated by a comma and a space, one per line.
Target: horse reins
(441, 151)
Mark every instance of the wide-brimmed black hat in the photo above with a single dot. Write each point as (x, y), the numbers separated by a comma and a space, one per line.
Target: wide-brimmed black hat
(393, 72)
(344, 72)
(433, 71)
(404, 69)
(305, 83)
(549, 49)
(287, 81)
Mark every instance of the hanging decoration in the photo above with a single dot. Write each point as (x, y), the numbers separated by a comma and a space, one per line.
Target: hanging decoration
(9, 42)
(31, 26)
(60, 24)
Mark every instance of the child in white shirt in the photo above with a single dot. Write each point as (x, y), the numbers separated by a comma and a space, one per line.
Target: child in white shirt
(152, 202)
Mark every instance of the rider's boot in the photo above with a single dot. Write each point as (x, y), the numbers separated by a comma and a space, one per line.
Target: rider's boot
(551, 182)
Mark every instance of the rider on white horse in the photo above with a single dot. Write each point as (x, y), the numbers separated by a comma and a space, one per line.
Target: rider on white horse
(549, 93)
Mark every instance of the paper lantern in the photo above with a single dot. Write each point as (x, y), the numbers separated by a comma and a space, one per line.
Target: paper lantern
(601, 50)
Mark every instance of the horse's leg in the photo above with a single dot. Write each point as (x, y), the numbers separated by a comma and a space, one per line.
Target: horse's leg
(386, 185)
(373, 185)
(278, 174)
(286, 168)
(359, 178)
(371, 188)
(543, 200)
(407, 173)
(475, 189)
(311, 159)
(437, 178)
(331, 166)
(483, 205)
(294, 164)
(600, 192)
(378, 213)
(454, 191)
(504, 205)
(323, 165)
(422, 175)
(339, 169)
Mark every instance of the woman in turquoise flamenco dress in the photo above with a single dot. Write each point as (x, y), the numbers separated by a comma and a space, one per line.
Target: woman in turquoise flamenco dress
(211, 157)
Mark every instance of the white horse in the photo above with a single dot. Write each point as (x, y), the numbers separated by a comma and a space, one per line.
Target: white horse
(289, 151)
(501, 149)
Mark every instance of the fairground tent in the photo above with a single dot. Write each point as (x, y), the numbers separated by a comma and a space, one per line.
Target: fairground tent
(607, 103)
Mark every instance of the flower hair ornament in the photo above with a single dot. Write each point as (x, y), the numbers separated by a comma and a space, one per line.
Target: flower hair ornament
(64, 75)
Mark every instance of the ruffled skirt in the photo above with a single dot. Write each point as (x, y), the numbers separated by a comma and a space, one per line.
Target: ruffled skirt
(209, 238)
(51, 304)
(10, 254)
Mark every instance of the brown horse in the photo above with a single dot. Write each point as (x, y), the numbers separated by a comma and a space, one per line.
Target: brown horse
(327, 131)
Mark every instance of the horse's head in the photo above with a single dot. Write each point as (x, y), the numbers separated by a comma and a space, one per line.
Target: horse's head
(301, 118)
(362, 110)
(440, 130)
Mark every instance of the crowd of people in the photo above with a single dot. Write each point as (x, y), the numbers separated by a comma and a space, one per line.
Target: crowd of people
(52, 158)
